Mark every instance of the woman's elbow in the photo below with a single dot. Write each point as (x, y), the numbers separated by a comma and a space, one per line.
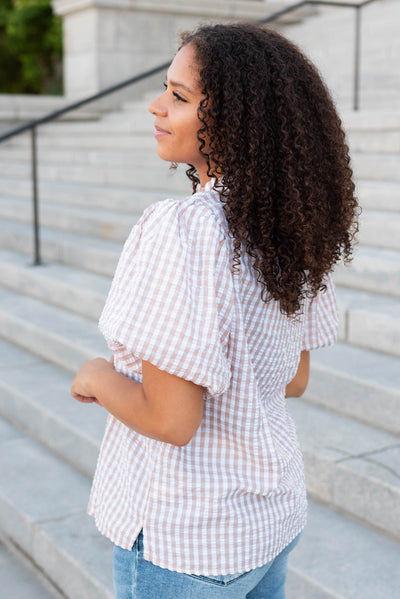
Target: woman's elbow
(179, 438)
(180, 433)
(295, 389)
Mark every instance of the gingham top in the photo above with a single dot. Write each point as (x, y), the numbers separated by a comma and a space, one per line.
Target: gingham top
(234, 497)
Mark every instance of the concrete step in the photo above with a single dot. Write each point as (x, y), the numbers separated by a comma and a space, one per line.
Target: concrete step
(371, 120)
(380, 229)
(104, 224)
(372, 131)
(381, 166)
(69, 429)
(74, 290)
(377, 228)
(142, 122)
(55, 335)
(19, 579)
(94, 255)
(369, 321)
(320, 566)
(374, 141)
(127, 157)
(367, 140)
(357, 383)
(374, 195)
(125, 199)
(143, 177)
(367, 164)
(48, 522)
(379, 195)
(350, 466)
(373, 269)
(93, 141)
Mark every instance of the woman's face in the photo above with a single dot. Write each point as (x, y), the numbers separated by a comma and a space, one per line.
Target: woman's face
(177, 123)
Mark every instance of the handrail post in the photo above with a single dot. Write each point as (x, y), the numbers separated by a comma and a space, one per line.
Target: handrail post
(357, 45)
(37, 260)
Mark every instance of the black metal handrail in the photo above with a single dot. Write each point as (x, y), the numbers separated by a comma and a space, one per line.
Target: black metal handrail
(32, 125)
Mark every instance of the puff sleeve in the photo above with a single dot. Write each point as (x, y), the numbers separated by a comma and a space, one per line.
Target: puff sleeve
(169, 302)
(321, 318)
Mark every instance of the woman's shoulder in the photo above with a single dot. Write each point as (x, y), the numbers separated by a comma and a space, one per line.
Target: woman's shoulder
(189, 215)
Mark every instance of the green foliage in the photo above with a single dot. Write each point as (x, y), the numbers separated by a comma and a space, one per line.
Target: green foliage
(30, 47)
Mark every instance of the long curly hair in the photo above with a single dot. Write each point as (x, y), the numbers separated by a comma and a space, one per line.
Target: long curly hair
(271, 135)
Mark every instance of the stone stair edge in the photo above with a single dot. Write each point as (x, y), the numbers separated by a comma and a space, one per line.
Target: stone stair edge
(369, 320)
(102, 223)
(46, 412)
(77, 291)
(372, 380)
(359, 142)
(374, 269)
(100, 256)
(96, 255)
(350, 294)
(121, 176)
(58, 336)
(87, 195)
(350, 466)
(141, 155)
(116, 224)
(19, 577)
(52, 529)
(75, 210)
(348, 537)
(14, 185)
(349, 299)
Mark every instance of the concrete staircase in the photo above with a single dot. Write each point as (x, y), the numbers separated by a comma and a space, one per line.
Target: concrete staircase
(95, 180)
(328, 38)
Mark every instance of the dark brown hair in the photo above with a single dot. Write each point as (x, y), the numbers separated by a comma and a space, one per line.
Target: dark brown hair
(276, 142)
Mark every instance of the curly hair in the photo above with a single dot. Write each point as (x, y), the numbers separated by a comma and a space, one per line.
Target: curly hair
(271, 135)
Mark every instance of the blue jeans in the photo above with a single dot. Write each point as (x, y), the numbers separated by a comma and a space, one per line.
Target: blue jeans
(137, 578)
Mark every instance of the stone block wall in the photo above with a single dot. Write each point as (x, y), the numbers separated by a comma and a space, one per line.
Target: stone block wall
(107, 41)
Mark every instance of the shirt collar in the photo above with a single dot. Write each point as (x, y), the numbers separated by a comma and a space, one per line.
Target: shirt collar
(207, 187)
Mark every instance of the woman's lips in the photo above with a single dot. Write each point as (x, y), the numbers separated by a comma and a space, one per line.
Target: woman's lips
(158, 132)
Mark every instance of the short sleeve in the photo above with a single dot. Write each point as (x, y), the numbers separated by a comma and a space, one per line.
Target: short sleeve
(321, 318)
(169, 300)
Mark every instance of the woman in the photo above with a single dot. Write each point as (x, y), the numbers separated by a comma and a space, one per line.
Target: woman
(216, 302)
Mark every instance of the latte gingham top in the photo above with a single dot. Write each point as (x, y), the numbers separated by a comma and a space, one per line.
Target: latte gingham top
(234, 497)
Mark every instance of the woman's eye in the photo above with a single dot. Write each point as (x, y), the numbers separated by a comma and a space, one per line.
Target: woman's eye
(175, 94)
(178, 97)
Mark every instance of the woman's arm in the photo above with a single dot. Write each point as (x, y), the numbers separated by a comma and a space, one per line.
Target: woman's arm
(298, 385)
(164, 407)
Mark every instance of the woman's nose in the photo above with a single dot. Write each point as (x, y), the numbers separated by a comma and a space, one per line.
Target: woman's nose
(157, 107)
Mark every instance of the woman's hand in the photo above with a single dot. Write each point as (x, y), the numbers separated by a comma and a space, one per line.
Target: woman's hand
(163, 407)
(83, 383)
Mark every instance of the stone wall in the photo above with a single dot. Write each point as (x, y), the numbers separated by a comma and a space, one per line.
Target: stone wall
(107, 41)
